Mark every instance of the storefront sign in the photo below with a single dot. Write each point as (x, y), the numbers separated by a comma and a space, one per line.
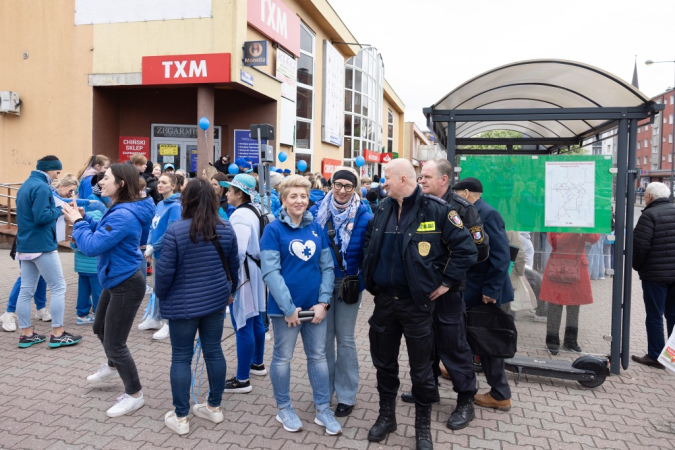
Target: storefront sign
(371, 157)
(168, 150)
(386, 157)
(276, 21)
(255, 53)
(186, 69)
(328, 167)
(180, 131)
(287, 70)
(245, 147)
(133, 145)
(246, 77)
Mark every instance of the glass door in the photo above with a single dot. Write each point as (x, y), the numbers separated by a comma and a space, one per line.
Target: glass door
(169, 151)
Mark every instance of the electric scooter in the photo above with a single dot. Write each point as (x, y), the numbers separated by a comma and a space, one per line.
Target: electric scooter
(590, 371)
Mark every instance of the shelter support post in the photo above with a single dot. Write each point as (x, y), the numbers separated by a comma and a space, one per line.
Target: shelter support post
(618, 280)
(206, 96)
(628, 270)
(451, 146)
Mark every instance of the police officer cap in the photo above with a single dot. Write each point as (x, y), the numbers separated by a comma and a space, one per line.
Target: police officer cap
(471, 184)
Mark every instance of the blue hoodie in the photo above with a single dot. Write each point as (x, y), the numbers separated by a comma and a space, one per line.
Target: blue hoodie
(167, 212)
(115, 239)
(315, 195)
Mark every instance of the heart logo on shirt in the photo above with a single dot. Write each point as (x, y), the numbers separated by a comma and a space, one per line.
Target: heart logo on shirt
(303, 250)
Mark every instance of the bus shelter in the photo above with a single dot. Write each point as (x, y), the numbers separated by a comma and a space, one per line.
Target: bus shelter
(556, 105)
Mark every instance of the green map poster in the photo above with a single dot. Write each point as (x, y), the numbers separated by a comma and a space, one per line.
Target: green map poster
(563, 193)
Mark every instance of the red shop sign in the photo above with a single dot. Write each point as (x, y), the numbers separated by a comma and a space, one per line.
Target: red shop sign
(276, 21)
(132, 145)
(386, 157)
(372, 157)
(186, 69)
(329, 166)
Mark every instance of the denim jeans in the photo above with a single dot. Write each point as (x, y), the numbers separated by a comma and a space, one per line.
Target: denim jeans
(49, 266)
(183, 334)
(659, 301)
(156, 315)
(88, 292)
(314, 343)
(250, 345)
(40, 297)
(115, 315)
(343, 369)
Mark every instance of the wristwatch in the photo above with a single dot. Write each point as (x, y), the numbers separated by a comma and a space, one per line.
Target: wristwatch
(326, 306)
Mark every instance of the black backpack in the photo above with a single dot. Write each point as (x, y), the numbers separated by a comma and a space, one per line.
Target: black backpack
(264, 221)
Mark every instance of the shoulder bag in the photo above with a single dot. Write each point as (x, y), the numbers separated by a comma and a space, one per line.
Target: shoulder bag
(226, 266)
(350, 288)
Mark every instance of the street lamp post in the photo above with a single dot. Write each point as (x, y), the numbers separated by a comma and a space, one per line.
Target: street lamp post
(649, 62)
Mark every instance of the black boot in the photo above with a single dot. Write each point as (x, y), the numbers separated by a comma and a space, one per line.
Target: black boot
(570, 341)
(386, 421)
(423, 427)
(552, 343)
(407, 396)
(462, 415)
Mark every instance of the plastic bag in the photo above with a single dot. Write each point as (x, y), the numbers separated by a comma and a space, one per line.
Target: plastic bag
(667, 356)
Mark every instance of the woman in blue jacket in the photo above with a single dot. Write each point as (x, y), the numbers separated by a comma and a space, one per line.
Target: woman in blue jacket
(115, 241)
(297, 267)
(194, 299)
(96, 164)
(342, 210)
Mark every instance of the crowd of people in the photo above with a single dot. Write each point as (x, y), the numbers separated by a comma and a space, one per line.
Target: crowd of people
(293, 264)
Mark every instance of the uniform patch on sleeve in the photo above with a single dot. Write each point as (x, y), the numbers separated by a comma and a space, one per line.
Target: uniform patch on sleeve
(454, 219)
(108, 228)
(478, 234)
(427, 226)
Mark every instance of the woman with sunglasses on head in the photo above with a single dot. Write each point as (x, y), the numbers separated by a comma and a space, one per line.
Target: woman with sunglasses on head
(343, 212)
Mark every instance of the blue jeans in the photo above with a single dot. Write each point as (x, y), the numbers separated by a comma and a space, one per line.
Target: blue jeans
(49, 266)
(88, 292)
(40, 296)
(314, 343)
(343, 369)
(250, 345)
(659, 301)
(183, 334)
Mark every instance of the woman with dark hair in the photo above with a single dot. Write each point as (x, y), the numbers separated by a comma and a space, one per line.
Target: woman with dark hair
(96, 164)
(221, 192)
(115, 241)
(194, 299)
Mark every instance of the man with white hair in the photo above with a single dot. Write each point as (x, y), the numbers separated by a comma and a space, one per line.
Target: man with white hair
(654, 260)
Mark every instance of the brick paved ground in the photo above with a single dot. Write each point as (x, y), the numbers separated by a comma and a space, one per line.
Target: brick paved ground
(45, 402)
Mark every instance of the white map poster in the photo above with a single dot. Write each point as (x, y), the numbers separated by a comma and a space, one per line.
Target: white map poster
(333, 95)
(570, 194)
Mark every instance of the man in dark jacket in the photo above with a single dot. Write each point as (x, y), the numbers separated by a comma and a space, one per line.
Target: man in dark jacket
(654, 260)
(407, 266)
(488, 282)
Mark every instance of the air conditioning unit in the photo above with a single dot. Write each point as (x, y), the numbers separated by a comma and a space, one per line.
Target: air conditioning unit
(10, 103)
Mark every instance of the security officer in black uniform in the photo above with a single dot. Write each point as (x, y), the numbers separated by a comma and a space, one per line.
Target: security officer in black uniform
(407, 266)
(449, 324)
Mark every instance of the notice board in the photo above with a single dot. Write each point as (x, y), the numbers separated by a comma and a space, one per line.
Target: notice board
(563, 193)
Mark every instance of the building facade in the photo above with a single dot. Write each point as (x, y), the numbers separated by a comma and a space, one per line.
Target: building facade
(654, 157)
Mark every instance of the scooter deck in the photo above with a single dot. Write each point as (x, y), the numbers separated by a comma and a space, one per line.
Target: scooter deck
(546, 368)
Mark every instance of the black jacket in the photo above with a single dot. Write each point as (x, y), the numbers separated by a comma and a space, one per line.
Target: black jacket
(654, 242)
(434, 232)
(151, 187)
(469, 214)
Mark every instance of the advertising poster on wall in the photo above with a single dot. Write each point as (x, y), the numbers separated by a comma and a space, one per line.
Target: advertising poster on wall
(132, 145)
(333, 95)
(245, 147)
(287, 68)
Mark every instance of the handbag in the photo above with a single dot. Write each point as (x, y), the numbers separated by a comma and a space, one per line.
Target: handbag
(350, 288)
(563, 270)
(524, 298)
(226, 266)
(491, 331)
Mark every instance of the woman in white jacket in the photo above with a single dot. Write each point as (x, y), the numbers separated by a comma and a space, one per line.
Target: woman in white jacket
(249, 304)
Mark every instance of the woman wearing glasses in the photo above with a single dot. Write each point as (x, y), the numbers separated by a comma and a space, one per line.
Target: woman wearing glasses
(342, 212)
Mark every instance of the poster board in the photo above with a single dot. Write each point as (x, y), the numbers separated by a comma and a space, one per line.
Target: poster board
(332, 124)
(563, 193)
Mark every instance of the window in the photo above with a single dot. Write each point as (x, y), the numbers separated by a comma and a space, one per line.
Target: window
(670, 157)
(390, 131)
(304, 106)
(639, 144)
(646, 143)
(644, 160)
(670, 138)
(671, 99)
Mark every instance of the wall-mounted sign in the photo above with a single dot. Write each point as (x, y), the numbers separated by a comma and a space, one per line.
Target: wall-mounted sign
(186, 69)
(168, 150)
(287, 70)
(371, 157)
(333, 95)
(328, 167)
(180, 131)
(245, 147)
(386, 157)
(132, 145)
(246, 77)
(255, 53)
(276, 21)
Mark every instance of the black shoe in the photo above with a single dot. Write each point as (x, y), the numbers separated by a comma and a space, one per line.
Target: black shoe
(423, 427)
(27, 341)
(572, 346)
(386, 421)
(234, 386)
(477, 366)
(64, 340)
(343, 410)
(646, 360)
(553, 350)
(462, 415)
(258, 369)
(407, 397)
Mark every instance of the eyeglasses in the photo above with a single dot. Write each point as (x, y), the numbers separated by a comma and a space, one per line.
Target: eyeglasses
(347, 187)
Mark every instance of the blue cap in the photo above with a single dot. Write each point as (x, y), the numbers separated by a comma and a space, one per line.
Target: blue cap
(171, 166)
(279, 171)
(287, 170)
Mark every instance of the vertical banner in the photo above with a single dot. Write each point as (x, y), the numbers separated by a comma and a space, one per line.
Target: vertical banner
(332, 126)
(287, 69)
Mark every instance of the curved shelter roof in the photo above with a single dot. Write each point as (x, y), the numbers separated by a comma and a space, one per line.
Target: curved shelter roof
(539, 84)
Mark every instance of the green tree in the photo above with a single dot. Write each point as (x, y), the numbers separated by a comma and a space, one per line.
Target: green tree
(493, 134)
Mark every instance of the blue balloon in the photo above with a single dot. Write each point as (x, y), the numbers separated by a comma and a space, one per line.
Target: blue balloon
(283, 156)
(302, 165)
(273, 169)
(233, 169)
(360, 160)
(204, 123)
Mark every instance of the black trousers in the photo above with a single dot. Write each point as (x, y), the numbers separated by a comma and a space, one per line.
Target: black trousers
(554, 319)
(451, 345)
(114, 318)
(393, 318)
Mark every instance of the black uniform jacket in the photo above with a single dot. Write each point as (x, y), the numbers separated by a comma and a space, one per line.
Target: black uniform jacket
(469, 214)
(436, 248)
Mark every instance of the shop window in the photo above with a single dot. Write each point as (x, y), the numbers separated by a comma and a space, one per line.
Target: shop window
(348, 124)
(306, 39)
(390, 131)
(348, 100)
(348, 148)
(307, 157)
(304, 104)
(357, 103)
(306, 70)
(305, 91)
(349, 78)
(357, 126)
(303, 135)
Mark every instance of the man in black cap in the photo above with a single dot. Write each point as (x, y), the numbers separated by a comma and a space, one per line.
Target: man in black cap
(407, 266)
(488, 282)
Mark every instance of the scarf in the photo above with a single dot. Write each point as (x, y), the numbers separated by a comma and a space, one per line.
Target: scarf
(96, 189)
(343, 217)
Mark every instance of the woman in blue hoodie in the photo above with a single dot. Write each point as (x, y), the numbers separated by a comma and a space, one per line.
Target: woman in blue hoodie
(115, 241)
(166, 212)
(95, 164)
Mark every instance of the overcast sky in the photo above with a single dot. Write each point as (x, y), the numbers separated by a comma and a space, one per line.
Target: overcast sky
(429, 47)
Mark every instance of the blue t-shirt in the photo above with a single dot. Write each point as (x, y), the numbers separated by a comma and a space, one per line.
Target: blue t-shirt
(300, 252)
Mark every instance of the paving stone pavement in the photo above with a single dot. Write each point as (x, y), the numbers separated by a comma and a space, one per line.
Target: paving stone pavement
(45, 402)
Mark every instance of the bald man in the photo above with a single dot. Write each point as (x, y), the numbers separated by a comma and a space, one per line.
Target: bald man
(407, 266)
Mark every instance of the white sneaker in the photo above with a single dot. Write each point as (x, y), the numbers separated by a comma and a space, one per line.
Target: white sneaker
(148, 289)
(150, 324)
(9, 321)
(105, 373)
(203, 411)
(43, 315)
(163, 333)
(126, 404)
(180, 426)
